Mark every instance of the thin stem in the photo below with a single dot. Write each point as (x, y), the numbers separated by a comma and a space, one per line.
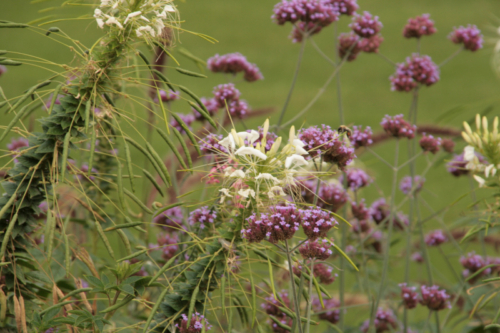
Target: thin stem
(436, 315)
(389, 234)
(387, 59)
(294, 292)
(457, 52)
(309, 301)
(327, 58)
(294, 80)
(427, 321)
(380, 157)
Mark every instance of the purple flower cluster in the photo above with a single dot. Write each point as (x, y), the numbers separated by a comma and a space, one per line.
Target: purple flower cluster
(15, 145)
(318, 12)
(210, 144)
(47, 103)
(348, 45)
(345, 7)
(201, 216)
(365, 25)
(238, 108)
(168, 96)
(225, 93)
(419, 26)
(469, 36)
(398, 127)
(3, 70)
(234, 63)
(171, 219)
(409, 296)
(435, 238)
(332, 196)
(316, 249)
(196, 325)
(406, 185)
(434, 298)
(169, 245)
(448, 145)
(417, 69)
(361, 137)
(316, 222)
(360, 226)
(210, 104)
(457, 165)
(187, 118)
(271, 306)
(331, 312)
(321, 272)
(371, 45)
(380, 213)
(356, 179)
(430, 143)
(304, 29)
(279, 225)
(472, 264)
(385, 321)
(359, 210)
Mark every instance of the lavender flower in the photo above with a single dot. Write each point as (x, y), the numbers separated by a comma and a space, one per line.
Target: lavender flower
(201, 216)
(409, 296)
(380, 213)
(435, 238)
(332, 196)
(417, 69)
(398, 127)
(225, 93)
(169, 245)
(317, 249)
(234, 63)
(371, 45)
(345, 7)
(210, 144)
(210, 104)
(472, 264)
(331, 312)
(238, 108)
(406, 185)
(319, 12)
(16, 145)
(365, 25)
(419, 26)
(278, 225)
(356, 179)
(171, 219)
(359, 210)
(429, 143)
(3, 70)
(348, 45)
(83, 175)
(168, 96)
(434, 298)
(360, 137)
(187, 118)
(316, 222)
(417, 257)
(457, 165)
(195, 326)
(385, 321)
(271, 306)
(360, 226)
(46, 106)
(317, 139)
(469, 36)
(323, 273)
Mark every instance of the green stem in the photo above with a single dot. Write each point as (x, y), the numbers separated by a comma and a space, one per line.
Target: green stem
(309, 301)
(294, 292)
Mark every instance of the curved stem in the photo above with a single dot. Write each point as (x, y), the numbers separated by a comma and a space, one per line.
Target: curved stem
(294, 292)
(294, 80)
(457, 52)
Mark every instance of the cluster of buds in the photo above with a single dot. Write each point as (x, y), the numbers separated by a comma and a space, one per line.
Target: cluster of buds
(365, 25)
(345, 7)
(469, 36)
(210, 104)
(409, 185)
(321, 272)
(385, 321)
(279, 225)
(171, 219)
(364, 37)
(417, 69)
(318, 12)
(317, 222)
(198, 324)
(201, 216)
(361, 137)
(234, 63)
(356, 179)
(316, 249)
(435, 238)
(428, 143)
(419, 26)
(409, 296)
(398, 127)
(359, 210)
(380, 213)
(349, 46)
(331, 312)
(168, 244)
(147, 22)
(188, 119)
(16, 145)
(474, 263)
(168, 97)
(434, 298)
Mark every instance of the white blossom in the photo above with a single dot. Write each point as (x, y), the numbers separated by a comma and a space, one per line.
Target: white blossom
(112, 20)
(169, 8)
(246, 193)
(237, 174)
(251, 151)
(480, 180)
(225, 193)
(490, 170)
(100, 23)
(228, 143)
(276, 190)
(250, 137)
(146, 28)
(295, 161)
(267, 176)
(469, 153)
(298, 144)
(133, 14)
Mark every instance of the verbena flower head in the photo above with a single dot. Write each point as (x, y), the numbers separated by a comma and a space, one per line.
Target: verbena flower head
(168, 96)
(319, 12)
(168, 244)
(317, 140)
(356, 179)
(419, 26)
(279, 224)
(234, 63)
(331, 196)
(198, 322)
(345, 7)
(3, 70)
(416, 69)
(448, 145)
(48, 101)
(316, 222)
(303, 30)
(171, 219)
(187, 118)
(371, 45)
(473, 263)
(317, 249)
(323, 273)
(434, 298)
(469, 36)
(365, 25)
(417, 257)
(457, 166)
(271, 306)
(147, 22)
(211, 105)
(210, 144)
(331, 312)
(201, 216)
(361, 137)
(435, 238)
(225, 93)
(398, 127)
(359, 210)
(380, 213)
(429, 143)
(348, 45)
(238, 108)
(407, 185)
(360, 226)
(409, 296)
(385, 321)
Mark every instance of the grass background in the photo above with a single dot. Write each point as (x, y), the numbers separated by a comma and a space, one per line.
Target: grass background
(468, 84)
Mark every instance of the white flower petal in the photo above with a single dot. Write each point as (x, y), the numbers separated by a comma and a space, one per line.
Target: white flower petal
(490, 169)
(246, 193)
(276, 190)
(100, 23)
(480, 180)
(251, 151)
(169, 8)
(295, 161)
(469, 153)
(133, 14)
(267, 176)
(237, 174)
(228, 143)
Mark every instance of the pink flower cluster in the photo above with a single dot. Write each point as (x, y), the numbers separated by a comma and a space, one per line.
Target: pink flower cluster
(406, 185)
(435, 238)
(474, 263)
(345, 7)
(361, 137)
(457, 165)
(168, 96)
(331, 196)
(356, 179)
(316, 249)
(469, 36)
(187, 118)
(210, 144)
(365, 25)
(211, 105)
(417, 69)
(169, 245)
(318, 12)
(227, 93)
(316, 222)
(359, 210)
(279, 225)
(234, 63)
(430, 143)
(409, 296)
(320, 271)
(380, 213)
(419, 26)
(201, 216)
(349, 46)
(171, 219)
(385, 321)
(331, 312)
(196, 324)
(398, 127)
(434, 298)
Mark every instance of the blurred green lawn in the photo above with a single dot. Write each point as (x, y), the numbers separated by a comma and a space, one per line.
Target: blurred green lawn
(468, 84)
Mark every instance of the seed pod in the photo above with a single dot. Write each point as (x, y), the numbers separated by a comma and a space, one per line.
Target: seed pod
(54, 98)
(7, 236)
(124, 302)
(137, 201)
(167, 208)
(17, 313)
(173, 148)
(13, 25)
(144, 58)
(188, 132)
(164, 79)
(133, 255)
(202, 112)
(189, 73)
(153, 181)
(163, 269)
(87, 114)
(129, 165)
(119, 181)
(65, 154)
(164, 49)
(93, 141)
(122, 226)
(154, 309)
(8, 62)
(3, 306)
(160, 162)
(51, 30)
(104, 239)
(198, 101)
(192, 303)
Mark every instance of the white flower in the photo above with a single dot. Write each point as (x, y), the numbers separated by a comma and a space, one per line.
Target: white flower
(105, 3)
(297, 144)
(162, 15)
(112, 20)
(250, 137)
(480, 180)
(246, 193)
(133, 14)
(169, 8)
(225, 193)
(295, 161)
(159, 26)
(267, 176)
(251, 151)
(276, 190)
(97, 13)
(469, 153)
(490, 170)
(145, 18)
(228, 143)
(146, 28)
(100, 23)
(237, 174)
